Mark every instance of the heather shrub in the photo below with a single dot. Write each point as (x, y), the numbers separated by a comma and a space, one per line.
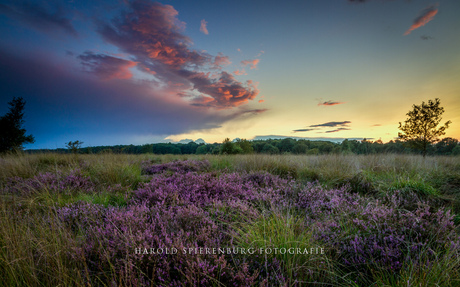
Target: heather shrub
(364, 234)
(175, 167)
(113, 234)
(204, 189)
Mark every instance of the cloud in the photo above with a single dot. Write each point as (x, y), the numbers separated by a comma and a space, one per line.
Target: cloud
(153, 37)
(330, 103)
(337, 130)
(303, 130)
(425, 37)
(425, 16)
(240, 72)
(221, 92)
(107, 67)
(332, 124)
(39, 17)
(221, 60)
(203, 27)
(261, 101)
(251, 63)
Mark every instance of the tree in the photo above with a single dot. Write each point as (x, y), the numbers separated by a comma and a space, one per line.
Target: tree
(446, 146)
(299, 148)
(420, 129)
(227, 147)
(12, 135)
(270, 149)
(245, 145)
(74, 146)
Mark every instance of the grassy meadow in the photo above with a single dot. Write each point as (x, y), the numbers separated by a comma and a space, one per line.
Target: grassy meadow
(115, 219)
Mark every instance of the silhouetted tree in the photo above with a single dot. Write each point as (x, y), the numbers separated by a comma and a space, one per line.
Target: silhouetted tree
(420, 129)
(12, 135)
(74, 146)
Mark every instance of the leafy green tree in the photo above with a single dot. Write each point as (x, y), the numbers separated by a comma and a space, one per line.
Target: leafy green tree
(446, 145)
(227, 147)
(420, 129)
(313, 151)
(286, 145)
(202, 149)
(245, 145)
(299, 148)
(12, 134)
(270, 149)
(456, 150)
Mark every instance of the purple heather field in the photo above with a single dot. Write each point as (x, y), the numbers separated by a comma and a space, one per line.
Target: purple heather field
(238, 217)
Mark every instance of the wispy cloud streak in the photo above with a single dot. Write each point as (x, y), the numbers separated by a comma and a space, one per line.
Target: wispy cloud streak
(337, 130)
(303, 130)
(332, 124)
(426, 16)
(330, 103)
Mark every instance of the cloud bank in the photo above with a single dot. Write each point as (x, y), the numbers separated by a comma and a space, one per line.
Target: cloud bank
(153, 36)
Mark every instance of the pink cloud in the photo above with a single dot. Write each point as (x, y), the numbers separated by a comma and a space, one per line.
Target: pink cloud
(251, 63)
(240, 73)
(260, 53)
(426, 16)
(261, 101)
(222, 92)
(152, 35)
(221, 60)
(203, 27)
(107, 67)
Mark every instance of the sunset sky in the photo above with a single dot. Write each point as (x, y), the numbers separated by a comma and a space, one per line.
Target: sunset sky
(136, 72)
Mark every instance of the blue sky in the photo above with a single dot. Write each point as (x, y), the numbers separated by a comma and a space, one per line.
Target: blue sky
(106, 72)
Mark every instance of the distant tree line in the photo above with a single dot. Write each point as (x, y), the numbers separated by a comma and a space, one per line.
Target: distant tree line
(446, 146)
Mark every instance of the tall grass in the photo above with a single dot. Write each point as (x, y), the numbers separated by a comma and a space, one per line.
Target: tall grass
(34, 250)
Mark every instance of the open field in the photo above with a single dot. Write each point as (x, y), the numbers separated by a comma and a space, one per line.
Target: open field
(111, 219)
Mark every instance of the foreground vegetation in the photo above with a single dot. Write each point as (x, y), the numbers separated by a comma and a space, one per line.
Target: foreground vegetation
(82, 220)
